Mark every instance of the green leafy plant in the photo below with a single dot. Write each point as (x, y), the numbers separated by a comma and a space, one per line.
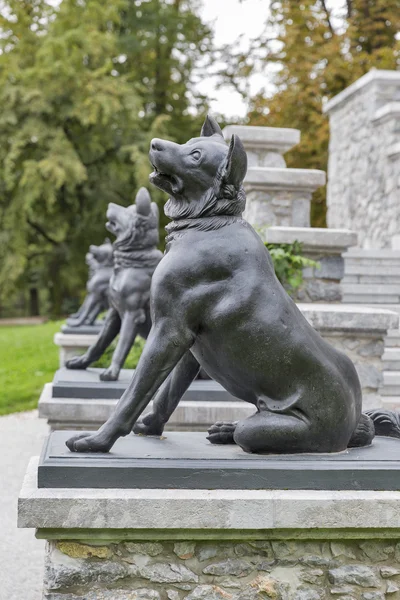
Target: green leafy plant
(289, 262)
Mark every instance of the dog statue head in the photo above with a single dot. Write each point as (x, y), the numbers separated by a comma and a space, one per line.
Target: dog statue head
(135, 226)
(203, 177)
(100, 256)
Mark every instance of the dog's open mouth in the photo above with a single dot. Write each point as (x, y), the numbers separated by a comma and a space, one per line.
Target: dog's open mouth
(111, 225)
(166, 182)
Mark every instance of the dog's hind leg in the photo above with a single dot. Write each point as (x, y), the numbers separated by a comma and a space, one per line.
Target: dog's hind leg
(129, 330)
(169, 396)
(108, 333)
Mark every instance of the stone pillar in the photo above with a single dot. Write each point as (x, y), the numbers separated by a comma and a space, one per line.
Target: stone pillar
(278, 207)
(364, 159)
(275, 195)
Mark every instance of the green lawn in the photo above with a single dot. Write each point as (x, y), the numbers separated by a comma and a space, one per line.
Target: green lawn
(28, 359)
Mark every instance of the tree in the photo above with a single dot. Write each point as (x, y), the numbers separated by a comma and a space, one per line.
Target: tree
(84, 87)
(319, 54)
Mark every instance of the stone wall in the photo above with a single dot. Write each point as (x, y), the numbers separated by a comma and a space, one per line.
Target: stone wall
(365, 569)
(364, 159)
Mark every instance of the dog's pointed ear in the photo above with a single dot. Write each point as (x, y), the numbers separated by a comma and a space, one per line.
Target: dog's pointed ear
(156, 212)
(236, 163)
(210, 127)
(143, 202)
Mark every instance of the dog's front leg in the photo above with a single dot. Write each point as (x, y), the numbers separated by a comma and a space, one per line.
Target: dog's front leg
(127, 336)
(169, 396)
(108, 333)
(168, 341)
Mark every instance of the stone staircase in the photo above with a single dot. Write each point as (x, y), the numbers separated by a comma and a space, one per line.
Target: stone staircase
(372, 278)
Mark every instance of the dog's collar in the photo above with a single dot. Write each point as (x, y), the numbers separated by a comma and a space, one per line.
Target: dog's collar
(147, 258)
(177, 228)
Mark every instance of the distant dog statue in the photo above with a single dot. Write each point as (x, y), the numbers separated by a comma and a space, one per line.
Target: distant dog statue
(100, 262)
(135, 259)
(216, 303)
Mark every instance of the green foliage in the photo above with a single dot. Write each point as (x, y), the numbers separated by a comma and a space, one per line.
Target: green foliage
(317, 55)
(289, 263)
(132, 359)
(84, 87)
(28, 359)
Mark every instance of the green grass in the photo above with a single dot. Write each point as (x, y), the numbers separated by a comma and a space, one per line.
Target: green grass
(28, 359)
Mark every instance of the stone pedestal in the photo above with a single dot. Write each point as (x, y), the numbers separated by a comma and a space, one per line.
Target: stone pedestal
(364, 159)
(214, 544)
(73, 344)
(275, 195)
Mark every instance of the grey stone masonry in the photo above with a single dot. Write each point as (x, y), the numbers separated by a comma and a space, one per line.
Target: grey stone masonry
(326, 247)
(275, 195)
(364, 159)
(215, 544)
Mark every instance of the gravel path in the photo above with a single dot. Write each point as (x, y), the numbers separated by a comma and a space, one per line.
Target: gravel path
(21, 554)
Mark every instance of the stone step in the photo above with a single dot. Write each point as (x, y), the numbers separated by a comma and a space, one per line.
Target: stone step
(391, 383)
(371, 298)
(352, 268)
(362, 254)
(379, 279)
(391, 359)
(391, 403)
(364, 288)
(392, 339)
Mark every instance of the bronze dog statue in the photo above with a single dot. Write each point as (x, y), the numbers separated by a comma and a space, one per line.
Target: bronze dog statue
(217, 303)
(135, 259)
(100, 262)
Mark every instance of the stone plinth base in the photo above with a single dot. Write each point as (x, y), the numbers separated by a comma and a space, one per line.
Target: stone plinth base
(83, 329)
(73, 344)
(190, 461)
(215, 544)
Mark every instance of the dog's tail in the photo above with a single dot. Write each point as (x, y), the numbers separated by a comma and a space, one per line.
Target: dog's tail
(386, 422)
(363, 434)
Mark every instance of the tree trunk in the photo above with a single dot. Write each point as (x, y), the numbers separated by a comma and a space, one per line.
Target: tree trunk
(34, 302)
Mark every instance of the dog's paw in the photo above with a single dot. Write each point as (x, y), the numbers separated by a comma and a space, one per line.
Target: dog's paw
(148, 425)
(140, 317)
(110, 374)
(77, 362)
(89, 442)
(222, 432)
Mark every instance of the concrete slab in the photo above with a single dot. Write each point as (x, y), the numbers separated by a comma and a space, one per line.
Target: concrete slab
(21, 555)
(73, 513)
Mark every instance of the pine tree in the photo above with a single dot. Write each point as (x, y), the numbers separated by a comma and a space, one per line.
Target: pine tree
(319, 55)
(82, 92)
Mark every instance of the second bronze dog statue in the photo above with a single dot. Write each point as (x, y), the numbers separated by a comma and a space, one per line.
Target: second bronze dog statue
(135, 257)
